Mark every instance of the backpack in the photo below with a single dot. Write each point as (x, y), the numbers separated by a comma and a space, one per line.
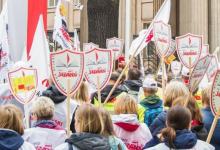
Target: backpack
(133, 93)
(151, 113)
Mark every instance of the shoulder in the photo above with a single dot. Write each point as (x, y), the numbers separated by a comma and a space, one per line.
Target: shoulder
(203, 145)
(27, 146)
(63, 146)
(160, 146)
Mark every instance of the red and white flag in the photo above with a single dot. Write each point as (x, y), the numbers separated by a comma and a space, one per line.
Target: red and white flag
(60, 32)
(76, 42)
(162, 15)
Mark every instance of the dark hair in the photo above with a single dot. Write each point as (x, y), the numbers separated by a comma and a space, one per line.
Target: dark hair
(178, 118)
(134, 74)
(149, 70)
(114, 76)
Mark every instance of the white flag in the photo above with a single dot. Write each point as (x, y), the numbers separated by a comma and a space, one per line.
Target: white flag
(6, 63)
(60, 32)
(162, 15)
(39, 56)
(76, 42)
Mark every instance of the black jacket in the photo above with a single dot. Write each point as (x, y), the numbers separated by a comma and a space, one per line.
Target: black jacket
(133, 85)
(200, 131)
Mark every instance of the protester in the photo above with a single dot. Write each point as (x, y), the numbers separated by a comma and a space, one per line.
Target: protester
(151, 105)
(12, 128)
(132, 84)
(123, 78)
(60, 101)
(105, 92)
(197, 125)
(173, 90)
(109, 133)
(170, 77)
(45, 133)
(177, 134)
(89, 127)
(81, 94)
(208, 115)
(197, 92)
(126, 125)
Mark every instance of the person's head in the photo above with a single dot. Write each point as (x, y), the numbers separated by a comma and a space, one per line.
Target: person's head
(173, 90)
(88, 119)
(192, 106)
(206, 93)
(123, 65)
(170, 77)
(134, 74)
(114, 77)
(81, 94)
(11, 118)
(159, 79)
(149, 70)
(42, 109)
(178, 118)
(185, 74)
(108, 126)
(119, 70)
(149, 87)
(125, 104)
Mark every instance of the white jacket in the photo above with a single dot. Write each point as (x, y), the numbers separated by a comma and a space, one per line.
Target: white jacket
(43, 138)
(27, 146)
(132, 132)
(200, 145)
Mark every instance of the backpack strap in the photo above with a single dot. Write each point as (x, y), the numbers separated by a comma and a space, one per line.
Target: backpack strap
(126, 87)
(70, 147)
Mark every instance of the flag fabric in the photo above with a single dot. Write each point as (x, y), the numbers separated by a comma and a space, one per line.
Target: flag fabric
(76, 42)
(39, 56)
(6, 63)
(162, 15)
(60, 32)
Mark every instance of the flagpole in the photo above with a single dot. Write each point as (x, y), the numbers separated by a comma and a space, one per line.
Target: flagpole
(127, 39)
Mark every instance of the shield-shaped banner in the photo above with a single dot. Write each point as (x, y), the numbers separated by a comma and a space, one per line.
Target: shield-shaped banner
(65, 65)
(162, 36)
(89, 46)
(205, 50)
(215, 93)
(199, 72)
(176, 67)
(189, 45)
(172, 49)
(212, 69)
(23, 80)
(98, 62)
(116, 45)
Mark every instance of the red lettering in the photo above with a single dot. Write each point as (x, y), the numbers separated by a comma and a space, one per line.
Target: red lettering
(133, 145)
(67, 74)
(197, 75)
(65, 34)
(218, 94)
(98, 71)
(9, 97)
(59, 123)
(46, 147)
(162, 40)
(190, 53)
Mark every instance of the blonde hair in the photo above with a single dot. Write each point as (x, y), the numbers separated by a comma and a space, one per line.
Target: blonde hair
(90, 119)
(125, 104)
(173, 90)
(81, 94)
(206, 93)
(43, 107)
(11, 118)
(192, 106)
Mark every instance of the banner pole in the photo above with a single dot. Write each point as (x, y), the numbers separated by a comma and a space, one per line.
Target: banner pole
(26, 110)
(99, 92)
(190, 67)
(119, 78)
(55, 44)
(155, 76)
(190, 94)
(163, 81)
(68, 108)
(213, 126)
(114, 63)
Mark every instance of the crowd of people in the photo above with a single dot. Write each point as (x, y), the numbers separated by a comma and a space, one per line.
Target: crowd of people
(132, 119)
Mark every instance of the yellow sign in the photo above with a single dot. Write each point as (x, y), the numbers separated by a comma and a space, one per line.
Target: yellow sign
(169, 59)
(23, 84)
(63, 11)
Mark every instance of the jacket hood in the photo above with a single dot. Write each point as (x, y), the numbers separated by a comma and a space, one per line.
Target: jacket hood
(54, 94)
(200, 131)
(105, 92)
(185, 139)
(10, 140)
(162, 116)
(128, 122)
(133, 84)
(88, 141)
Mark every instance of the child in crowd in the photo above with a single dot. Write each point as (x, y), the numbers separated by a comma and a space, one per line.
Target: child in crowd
(12, 128)
(126, 124)
(173, 90)
(109, 133)
(208, 116)
(151, 105)
(197, 125)
(177, 134)
(89, 129)
(45, 133)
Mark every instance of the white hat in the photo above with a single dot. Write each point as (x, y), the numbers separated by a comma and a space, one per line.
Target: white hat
(185, 71)
(150, 83)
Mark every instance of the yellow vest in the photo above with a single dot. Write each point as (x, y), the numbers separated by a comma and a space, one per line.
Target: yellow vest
(198, 99)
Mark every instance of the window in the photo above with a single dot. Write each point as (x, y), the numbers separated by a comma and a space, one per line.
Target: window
(52, 3)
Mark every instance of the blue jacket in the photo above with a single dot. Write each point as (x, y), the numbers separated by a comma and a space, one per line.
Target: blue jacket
(159, 123)
(207, 120)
